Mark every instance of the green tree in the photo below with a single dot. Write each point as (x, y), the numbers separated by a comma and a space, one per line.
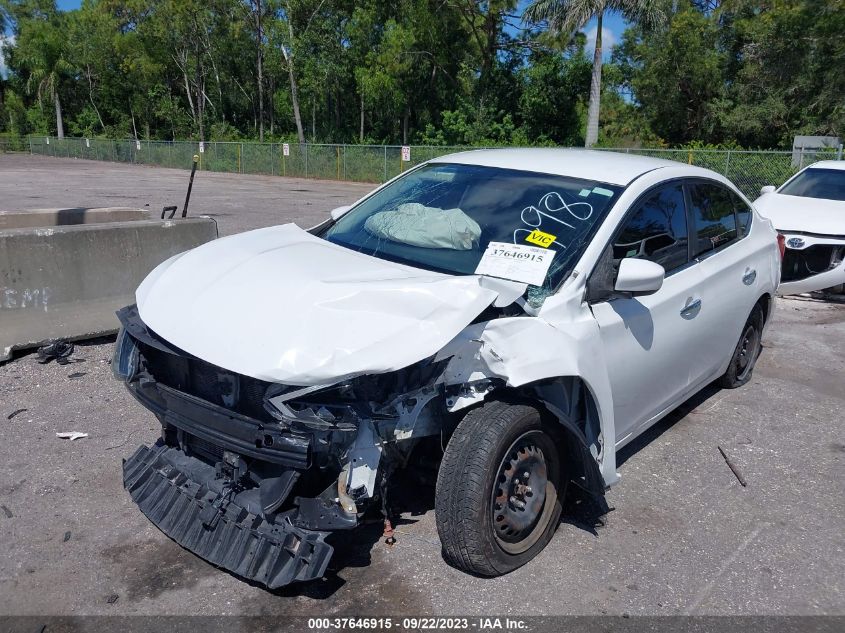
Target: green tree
(676, 75)
(785, 70)
(570, 16)
(551, 101)
(42, 54)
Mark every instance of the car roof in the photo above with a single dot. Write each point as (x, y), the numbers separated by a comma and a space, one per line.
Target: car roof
(828, 164)
(610, 167)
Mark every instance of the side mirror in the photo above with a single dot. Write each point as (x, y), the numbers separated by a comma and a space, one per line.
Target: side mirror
(767, 189)
(339, 211)
(639, 276)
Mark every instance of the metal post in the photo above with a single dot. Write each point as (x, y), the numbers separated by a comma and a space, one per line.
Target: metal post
(801, 159)
(344, 160)
(190, 185)
(727, 163)
(385, 164)
(306, 160)
(30, 145)
(839, 152)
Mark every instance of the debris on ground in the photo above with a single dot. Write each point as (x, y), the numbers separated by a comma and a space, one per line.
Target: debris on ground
(112, 598)
(7, 512)
(66, 537)
(734, 468)
(15, 412)
(59, 351)
(77, 374)
(71, 435)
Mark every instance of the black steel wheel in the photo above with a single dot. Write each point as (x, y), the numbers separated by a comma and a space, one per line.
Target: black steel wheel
(746, 352)
(519, 505)
(499, 489)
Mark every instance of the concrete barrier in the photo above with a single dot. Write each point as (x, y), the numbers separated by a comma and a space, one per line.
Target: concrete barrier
(63, 273)
(70, 216)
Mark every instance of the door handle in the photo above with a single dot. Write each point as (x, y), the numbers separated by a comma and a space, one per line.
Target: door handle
(749, 276)
(691, 306)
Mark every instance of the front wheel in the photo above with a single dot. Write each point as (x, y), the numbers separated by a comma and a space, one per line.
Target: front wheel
(499, 489)
(746, 352)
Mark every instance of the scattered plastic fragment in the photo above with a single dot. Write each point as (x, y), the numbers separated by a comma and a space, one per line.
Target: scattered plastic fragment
(71, 435)
(60, 351)
(15, 412)
(76, 374)
(66, 537)
(112, 598)
(7, 512)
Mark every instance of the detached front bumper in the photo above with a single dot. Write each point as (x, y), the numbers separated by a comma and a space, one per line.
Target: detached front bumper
(224, 533)
(230, 483)
(811, 263)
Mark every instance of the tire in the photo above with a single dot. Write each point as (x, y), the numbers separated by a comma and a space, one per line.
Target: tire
(481, 526)
(746, 353)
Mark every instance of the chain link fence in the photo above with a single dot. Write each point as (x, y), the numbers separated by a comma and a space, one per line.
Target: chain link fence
(749, 170)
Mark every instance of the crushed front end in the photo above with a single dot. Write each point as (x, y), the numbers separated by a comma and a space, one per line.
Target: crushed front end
(253, 476)
(812, 262)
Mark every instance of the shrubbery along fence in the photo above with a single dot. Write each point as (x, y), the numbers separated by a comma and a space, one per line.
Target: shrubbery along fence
(748, 169)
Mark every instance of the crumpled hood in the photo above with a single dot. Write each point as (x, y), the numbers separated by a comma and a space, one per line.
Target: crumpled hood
(282, 305)
(807, 215)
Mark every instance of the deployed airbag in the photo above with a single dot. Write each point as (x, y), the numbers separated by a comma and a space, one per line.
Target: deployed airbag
(428, 227)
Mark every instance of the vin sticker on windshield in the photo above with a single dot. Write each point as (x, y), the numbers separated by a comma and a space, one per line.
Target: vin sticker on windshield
(516, 262)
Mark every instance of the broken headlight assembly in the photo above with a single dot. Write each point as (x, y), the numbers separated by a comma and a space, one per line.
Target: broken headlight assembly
(342, 406)
(124, 362)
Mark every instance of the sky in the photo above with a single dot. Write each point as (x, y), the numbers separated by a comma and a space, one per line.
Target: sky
(612, 28)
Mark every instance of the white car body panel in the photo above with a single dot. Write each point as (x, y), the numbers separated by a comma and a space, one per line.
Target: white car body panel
(609, 167)
(299, 310)
(812, 221)
(281, 305)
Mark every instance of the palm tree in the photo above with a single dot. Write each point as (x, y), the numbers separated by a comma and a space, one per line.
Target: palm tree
(42, 48)
(570, 16)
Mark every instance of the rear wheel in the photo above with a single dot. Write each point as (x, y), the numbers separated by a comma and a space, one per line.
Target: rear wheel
(746, 353)
(498, 489)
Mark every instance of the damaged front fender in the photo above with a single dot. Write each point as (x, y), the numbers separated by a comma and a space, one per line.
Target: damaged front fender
(516, 351)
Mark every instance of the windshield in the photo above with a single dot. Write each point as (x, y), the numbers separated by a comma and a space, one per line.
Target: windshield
(443, 217)
(828, 184)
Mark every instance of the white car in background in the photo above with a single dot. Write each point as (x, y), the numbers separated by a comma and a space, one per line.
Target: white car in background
(809, 210)
(511, 317)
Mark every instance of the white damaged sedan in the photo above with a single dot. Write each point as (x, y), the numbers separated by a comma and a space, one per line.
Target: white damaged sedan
(809, 210)
(505, 319)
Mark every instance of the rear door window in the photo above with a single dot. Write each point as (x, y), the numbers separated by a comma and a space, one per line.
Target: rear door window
(721, 217)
